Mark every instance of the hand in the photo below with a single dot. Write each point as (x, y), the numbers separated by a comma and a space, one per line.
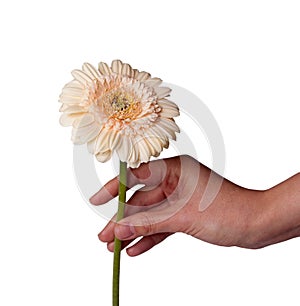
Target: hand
(171, 201)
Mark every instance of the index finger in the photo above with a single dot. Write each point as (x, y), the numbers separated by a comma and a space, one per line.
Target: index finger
(106, 193)
(150, 174)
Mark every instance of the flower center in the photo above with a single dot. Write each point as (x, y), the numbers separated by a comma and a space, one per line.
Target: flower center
(120, 105)
(120, 101)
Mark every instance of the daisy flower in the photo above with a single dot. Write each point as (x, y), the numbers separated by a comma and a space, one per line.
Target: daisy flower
(118, 108)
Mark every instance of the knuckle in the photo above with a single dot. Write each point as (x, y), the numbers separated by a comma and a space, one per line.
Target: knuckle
(147, 222)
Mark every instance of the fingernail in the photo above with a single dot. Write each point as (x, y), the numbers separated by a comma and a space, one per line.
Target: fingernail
(124, 231)
(101, 236)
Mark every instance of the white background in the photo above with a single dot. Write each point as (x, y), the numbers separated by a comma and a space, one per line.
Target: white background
(240, 57)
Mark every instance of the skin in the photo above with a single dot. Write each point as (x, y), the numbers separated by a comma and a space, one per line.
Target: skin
(170, 202)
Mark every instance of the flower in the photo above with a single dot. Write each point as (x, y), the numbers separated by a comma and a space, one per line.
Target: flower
(118, 109)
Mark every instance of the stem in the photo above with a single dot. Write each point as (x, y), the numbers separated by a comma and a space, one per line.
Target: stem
(117, 248)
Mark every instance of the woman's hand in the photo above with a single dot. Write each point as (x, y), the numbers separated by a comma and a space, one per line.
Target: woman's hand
(171, 201)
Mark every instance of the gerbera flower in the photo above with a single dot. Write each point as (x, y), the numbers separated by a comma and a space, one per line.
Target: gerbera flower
(119, 109)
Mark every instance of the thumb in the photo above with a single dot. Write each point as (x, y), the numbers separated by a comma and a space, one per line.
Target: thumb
(144, 224)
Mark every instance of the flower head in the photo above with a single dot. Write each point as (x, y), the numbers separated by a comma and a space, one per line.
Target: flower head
(118, 109)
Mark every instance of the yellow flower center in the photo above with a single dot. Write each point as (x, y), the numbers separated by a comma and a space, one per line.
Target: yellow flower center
(120, 105)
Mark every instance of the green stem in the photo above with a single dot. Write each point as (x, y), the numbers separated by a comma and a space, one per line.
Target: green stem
(117, 248)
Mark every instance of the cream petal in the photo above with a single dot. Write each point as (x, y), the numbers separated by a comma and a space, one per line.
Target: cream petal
(91, 71)
(169, 112)
(142, 121)
(134, 164)
(135, 73)
(73, 95)
(151, 148)
(73, 91)
(116, 66)
(167, 131)
(156, 132)
(81, 132)
(168, 126)
(153, 82)
(104, 156)
(91, 145)
(165, 144)
(69, 109)
(68, 119)
(162, 91)
(85, 134)
(70, 99)
(82, 77)
(74, 84)
(165, 103)
(102, 141)
(125, 148)
(127, 70)
(159, 142)
(171, 124)
(134, 154)
(142, 148)
(111, 139)
(144, 151)
(156, 145)
(85, 120)
(143, 76)
(137, 87)
(114, 139)
(104, 69)
(145, 96)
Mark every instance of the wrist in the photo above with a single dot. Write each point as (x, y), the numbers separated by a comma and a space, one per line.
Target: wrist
(274, 218)
(257, 229)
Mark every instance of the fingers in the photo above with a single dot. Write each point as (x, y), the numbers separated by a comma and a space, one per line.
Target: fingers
(145, 197)
(111, 245)
(150, 174)
(146, 243)
(136, 204)
(142, 246)
(146, 223)
(108, 234)
(106, 193)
